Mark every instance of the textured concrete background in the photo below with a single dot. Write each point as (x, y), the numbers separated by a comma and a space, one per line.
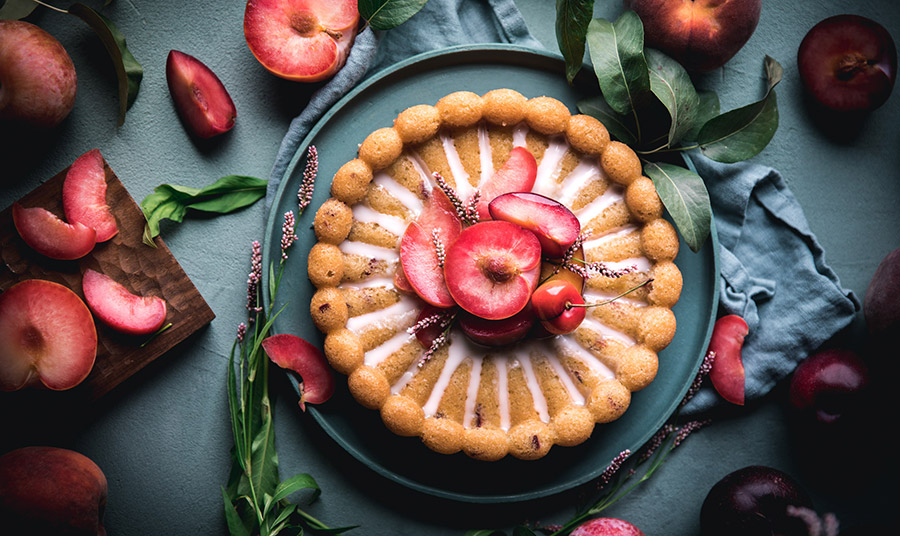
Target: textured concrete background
(163, 437)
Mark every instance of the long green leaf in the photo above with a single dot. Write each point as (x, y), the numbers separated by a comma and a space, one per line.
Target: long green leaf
(237, 421)
(616, 124)
(387, 14)
(672, 85)
(685, 197)
(232, 518)
(617, 53)
(16, 9)
(128, 71)
(742, 133)
(572, 19)
(263, 457)
(297, 483)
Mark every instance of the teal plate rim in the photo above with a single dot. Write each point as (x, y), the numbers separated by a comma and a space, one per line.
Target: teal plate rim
(359, 431)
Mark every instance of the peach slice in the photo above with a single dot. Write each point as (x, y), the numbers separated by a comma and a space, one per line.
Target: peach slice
(119, 309)
(200, 97)
(47, 337)
(517, 175)
(551, 221)
(727, 373)
(47, 234)
(84, 196)
(292, 353)
(301, 40)
(419, 254)
(492, 268)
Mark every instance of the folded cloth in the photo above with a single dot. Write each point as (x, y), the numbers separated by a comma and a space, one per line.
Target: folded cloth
(773, 270)
(440, 24)
(772, 273)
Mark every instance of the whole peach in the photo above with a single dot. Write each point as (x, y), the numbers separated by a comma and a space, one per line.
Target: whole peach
(49, 490)
(700, 34)
(37, 76)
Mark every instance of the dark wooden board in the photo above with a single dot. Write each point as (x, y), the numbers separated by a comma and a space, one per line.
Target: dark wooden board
(142, 269)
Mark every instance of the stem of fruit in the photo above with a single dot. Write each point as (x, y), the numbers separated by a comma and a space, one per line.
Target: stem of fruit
(48, 6)
(569, 305)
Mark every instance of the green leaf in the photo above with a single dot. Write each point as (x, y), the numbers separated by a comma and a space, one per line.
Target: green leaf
(16, 9)
(263, 457)
(616, 124)
(617, 53)
(742, 133)
(523, 531)
(572, 19)
(171, 201)
(709, 108)
(232, 518)
(297, 483)
(128, 71)
(685, 197)
(672, 85)
(484, 532)
(234, 407)
(387, 14)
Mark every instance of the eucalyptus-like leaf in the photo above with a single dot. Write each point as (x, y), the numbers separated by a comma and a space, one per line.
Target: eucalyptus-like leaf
(296, 483)
(616, 124)
(572, 19)
(16, 9)
(672, 85)
(128, 71)
(617, 53)
(709, 108)
(387, 14)
(742, 133)
(684, 195)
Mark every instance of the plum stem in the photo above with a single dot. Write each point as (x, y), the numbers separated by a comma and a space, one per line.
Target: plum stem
(569, 305)
(48, 6)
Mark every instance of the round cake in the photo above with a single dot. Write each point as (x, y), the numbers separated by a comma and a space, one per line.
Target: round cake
(474, 363)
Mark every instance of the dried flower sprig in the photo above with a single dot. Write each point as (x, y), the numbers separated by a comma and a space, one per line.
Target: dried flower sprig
(438, 246)
(255, 498)
(467, 213)
(443, 319)
(308, 184)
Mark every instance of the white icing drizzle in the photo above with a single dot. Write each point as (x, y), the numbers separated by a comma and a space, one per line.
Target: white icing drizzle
(392, 224)
(351, 247)
(369, 282)
(472, 391)
(606, 332)
(608, 236)
(613, 194)
(384, 350)
(549, 168)
(403, 313)
(574, 394)
(640, 264)
(519, 135)
(422, 169)
(458, 351)
(463, 188)
(576, 351)
(537, 395)
(400, 193)
(592, 296)
(502, 364)
(485, 154)
(572, 185)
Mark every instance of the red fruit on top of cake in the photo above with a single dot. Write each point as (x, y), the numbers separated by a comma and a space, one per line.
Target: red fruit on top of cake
(492, 268)
(551, 221)
(497, 332)
(47, 337)
(517, 175)
(84, 196)
(295, 354)
(555, 303)
(47, 234)
(301, 40)
(436, 224)
(120, 309)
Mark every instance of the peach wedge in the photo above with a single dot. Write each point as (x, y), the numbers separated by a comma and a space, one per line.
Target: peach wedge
(119, 309)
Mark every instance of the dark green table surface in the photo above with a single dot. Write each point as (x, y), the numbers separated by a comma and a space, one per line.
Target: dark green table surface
(163, 437)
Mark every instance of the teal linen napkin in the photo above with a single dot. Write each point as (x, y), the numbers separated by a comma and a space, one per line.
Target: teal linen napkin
(773, 270)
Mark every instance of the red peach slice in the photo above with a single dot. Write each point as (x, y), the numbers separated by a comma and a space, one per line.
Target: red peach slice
(297, 355)
(497, 332)
(727, 373)
(47, 337)
(418, 252)
(84, 196)
(551, 221)
(517, 175)
(44, 232)
(200, 97)
(301, 40)
(119, 309)
(492, 268)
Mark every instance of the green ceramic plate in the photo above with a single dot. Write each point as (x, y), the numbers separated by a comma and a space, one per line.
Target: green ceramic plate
(374, 104)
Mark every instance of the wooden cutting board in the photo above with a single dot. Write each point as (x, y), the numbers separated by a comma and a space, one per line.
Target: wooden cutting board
(142, 269)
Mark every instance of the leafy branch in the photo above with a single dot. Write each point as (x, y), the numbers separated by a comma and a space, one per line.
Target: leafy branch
(648, 101)
(387, 14)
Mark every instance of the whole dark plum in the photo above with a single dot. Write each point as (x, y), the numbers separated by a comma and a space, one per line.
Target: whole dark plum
(754, 501)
